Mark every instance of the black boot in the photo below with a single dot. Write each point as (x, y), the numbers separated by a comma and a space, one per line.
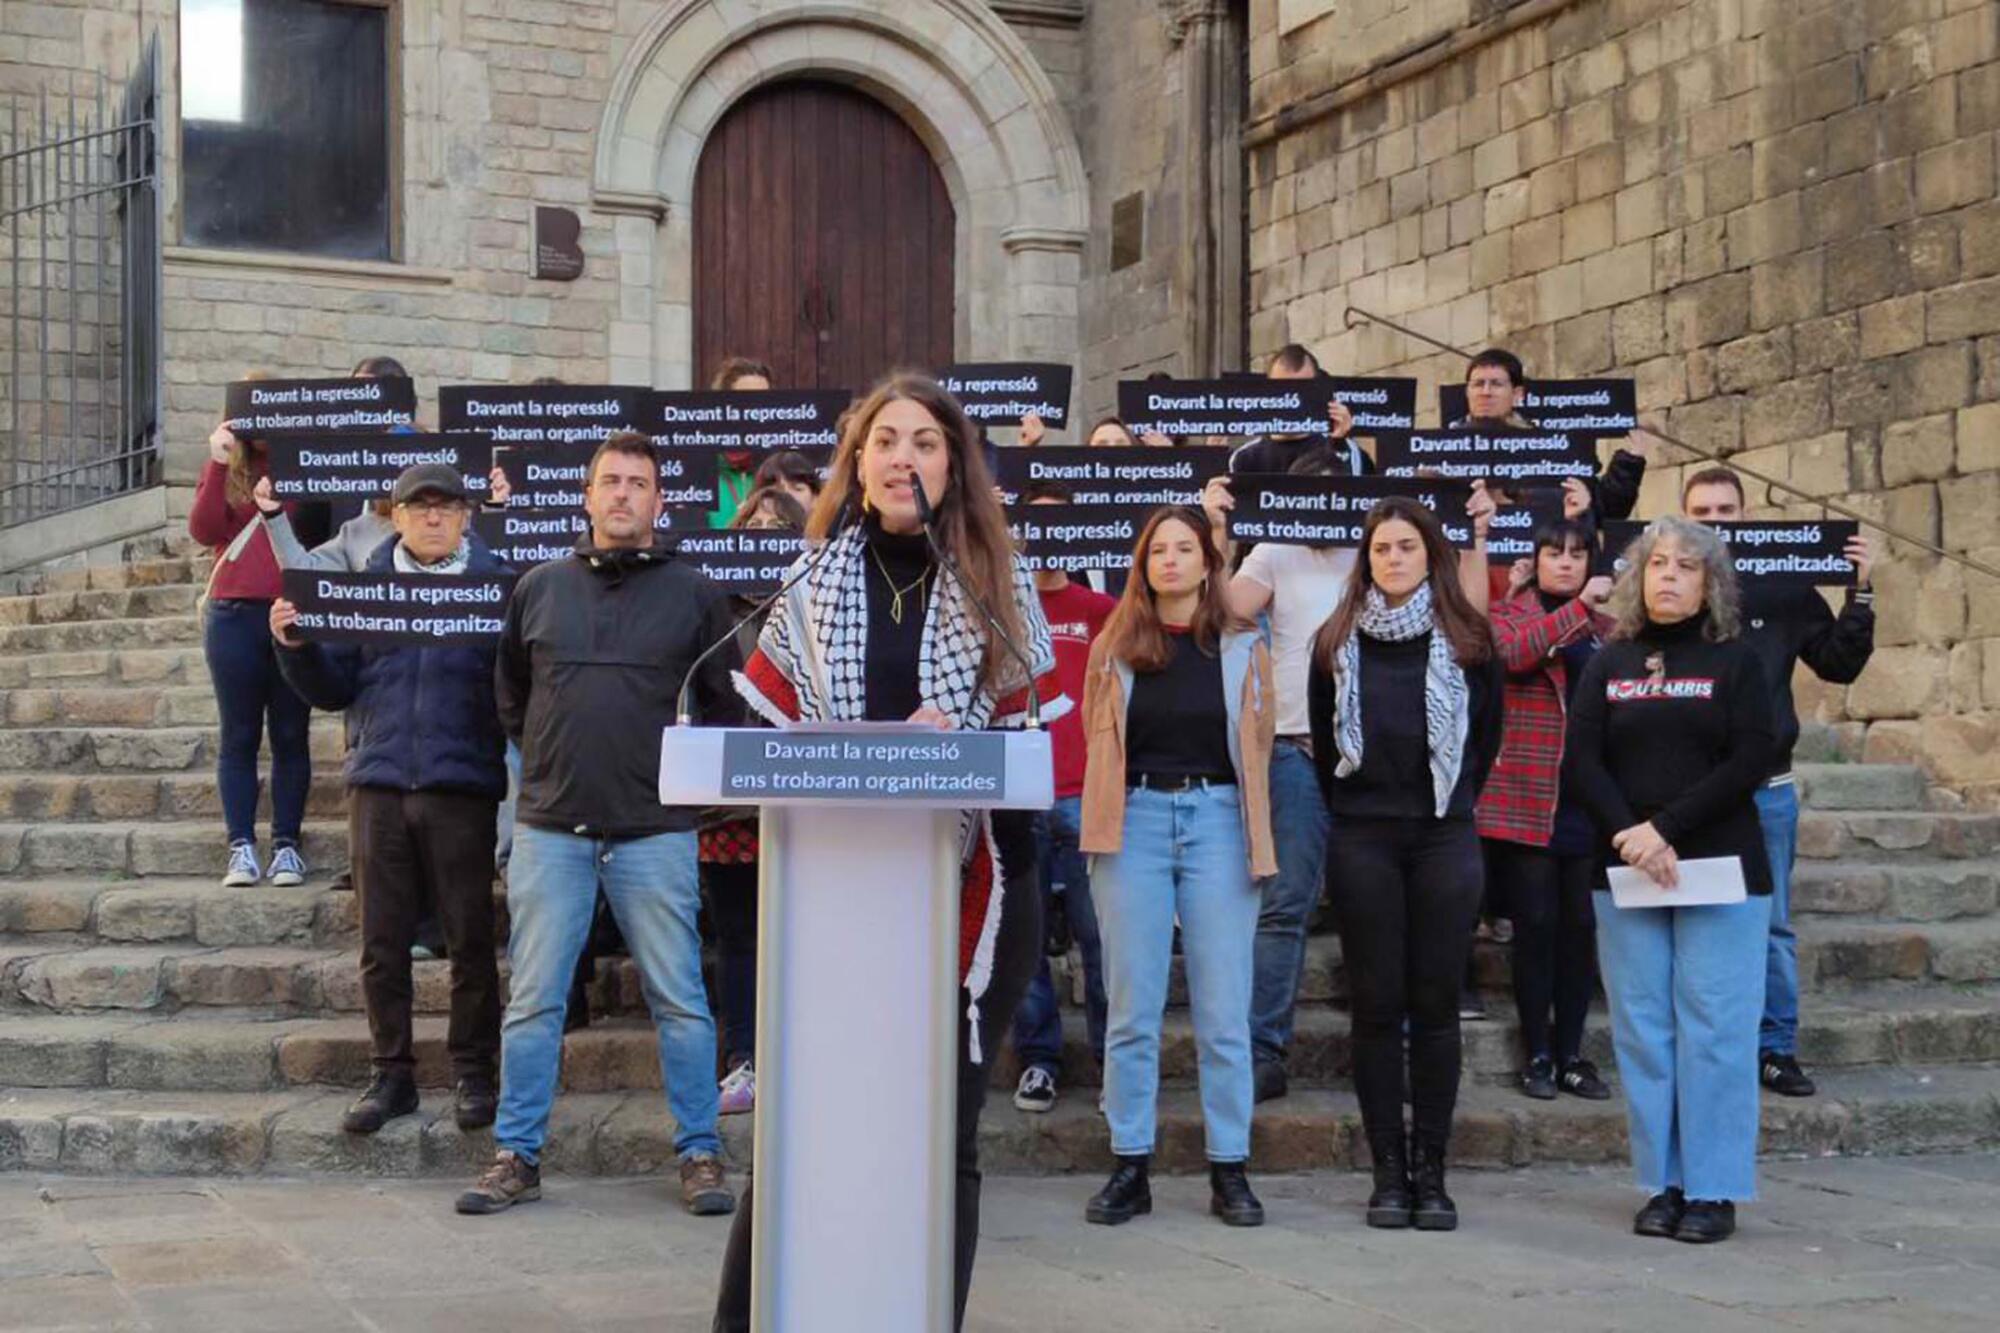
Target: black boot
(1126, 1195)
(1434, 1209)
(1389, 1206)
(1230, 1198)
(390, 1094)
(474, 1102)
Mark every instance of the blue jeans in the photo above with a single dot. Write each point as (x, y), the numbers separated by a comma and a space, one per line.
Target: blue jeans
(503, 819)
(1183, 856)
(1685, 991)
(1299, 826)
(1038, 1037)
(552, 890)
(249, 696)
(1778, 813)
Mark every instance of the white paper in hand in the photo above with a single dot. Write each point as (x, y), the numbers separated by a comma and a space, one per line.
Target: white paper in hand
(1707, 882)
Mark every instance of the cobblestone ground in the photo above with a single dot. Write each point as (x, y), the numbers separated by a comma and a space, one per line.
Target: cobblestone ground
(1908, 1244)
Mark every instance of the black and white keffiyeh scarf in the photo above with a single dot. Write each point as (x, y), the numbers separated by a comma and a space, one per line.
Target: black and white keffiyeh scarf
(1447, 710)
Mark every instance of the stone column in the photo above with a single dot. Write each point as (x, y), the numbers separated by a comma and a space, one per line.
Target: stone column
(1209, 34)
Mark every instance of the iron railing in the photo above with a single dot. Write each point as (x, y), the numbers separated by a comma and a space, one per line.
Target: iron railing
(80, 214)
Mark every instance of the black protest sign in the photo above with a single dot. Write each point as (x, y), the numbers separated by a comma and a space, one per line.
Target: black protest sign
(1498, 454)
(524, 538)
(399, 610)
(1574, 407)
(1329, 511)
(750, 561)
(543, 413)
(550, 476)
(1233, 406)
(257, 408)
(365, 465)
(1142, 477)
(1803, 554)
(1077, 537)
(1386, 403)
(1511, 534)
(748, 418)
(1002, 392)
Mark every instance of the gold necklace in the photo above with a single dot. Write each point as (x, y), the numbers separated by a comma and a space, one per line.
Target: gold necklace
(896, 594)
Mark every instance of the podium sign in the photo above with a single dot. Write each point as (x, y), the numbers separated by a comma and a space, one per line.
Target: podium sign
(857, 988)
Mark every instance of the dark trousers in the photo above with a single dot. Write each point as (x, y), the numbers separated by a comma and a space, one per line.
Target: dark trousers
(249, 696)
(404, 842)
(1555, 942)
(731, 890)
(1016, 947)
(1407, 893)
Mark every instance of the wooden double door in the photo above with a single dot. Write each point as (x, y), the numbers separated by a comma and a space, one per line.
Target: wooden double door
(823, 240)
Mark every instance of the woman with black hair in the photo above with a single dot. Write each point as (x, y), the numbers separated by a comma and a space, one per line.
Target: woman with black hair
(1404, 698)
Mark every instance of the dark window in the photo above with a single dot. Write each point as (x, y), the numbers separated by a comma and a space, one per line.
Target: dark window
(285, 126)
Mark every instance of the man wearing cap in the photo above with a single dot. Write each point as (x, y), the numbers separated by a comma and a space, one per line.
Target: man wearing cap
(425, 773)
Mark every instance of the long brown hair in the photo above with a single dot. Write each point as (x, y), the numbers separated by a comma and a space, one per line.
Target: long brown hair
(1471, 637)
(240, 482)
(970, 523)
(1134, 633)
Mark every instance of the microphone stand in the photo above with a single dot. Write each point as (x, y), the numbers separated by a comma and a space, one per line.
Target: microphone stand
(928, 518)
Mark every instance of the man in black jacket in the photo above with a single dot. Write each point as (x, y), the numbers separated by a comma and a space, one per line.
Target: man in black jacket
(591, 661)
(425, 772)
(1786, 625)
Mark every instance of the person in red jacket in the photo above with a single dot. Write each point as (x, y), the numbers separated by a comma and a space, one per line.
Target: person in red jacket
(1538, 842)
(250, 695)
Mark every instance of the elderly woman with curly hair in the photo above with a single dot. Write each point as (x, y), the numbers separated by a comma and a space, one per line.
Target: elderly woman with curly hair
(1670, 734)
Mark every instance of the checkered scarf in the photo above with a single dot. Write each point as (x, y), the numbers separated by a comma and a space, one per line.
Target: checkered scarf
(811, 665)
(1447, 709)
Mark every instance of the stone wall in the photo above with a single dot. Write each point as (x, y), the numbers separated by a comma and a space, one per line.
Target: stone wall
(1779, 216)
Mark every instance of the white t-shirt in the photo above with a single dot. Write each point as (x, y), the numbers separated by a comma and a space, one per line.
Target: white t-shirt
(1306, 585)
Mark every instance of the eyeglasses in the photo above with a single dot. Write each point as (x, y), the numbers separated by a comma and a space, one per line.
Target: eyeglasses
(429, 508)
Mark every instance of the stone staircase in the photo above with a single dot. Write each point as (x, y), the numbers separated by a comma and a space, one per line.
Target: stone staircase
(151, 1021)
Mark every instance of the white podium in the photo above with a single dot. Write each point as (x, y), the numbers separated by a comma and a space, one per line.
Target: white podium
(857, 1001)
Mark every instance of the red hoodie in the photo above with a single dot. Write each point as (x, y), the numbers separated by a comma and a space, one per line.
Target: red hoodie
(214, 522)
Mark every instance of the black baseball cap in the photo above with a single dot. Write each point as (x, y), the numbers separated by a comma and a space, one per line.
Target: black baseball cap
(436, 478)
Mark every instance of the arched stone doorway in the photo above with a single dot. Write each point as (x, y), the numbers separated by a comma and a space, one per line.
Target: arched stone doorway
(956, 75)
(823, 239)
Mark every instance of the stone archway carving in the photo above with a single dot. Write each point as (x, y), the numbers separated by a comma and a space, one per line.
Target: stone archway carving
(961, 78)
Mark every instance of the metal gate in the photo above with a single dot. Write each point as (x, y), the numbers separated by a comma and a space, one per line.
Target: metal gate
(80, 403)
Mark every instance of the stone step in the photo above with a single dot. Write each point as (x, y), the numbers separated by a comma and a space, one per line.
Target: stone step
(180, 665)
(1834, 955)
(35, 797)
(1862, 786)
(296, 1132)
(57, 608)
(127, 749)
(179, 562)
(110, 706)
(1896, 835)
(1923, 891)
(185, 847)
(78, 635)
(236, 1051)
(173, 910)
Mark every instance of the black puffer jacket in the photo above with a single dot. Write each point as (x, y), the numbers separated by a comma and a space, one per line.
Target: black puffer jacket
(591, 664)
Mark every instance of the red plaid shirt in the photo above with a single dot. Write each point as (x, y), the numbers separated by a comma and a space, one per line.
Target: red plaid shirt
(1518, 803)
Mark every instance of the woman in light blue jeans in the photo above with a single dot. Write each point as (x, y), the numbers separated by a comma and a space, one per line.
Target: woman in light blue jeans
(1179, 719)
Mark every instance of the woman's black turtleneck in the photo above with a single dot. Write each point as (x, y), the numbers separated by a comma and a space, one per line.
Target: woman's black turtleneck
(894, 648)
(1675, 728)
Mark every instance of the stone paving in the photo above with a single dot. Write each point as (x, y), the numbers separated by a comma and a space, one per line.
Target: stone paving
(1837, 1246)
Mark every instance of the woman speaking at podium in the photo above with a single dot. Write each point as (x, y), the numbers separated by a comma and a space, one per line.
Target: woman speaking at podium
(880, 629)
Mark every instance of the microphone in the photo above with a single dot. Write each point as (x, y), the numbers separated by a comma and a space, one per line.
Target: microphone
(683, 710)
(928, 517)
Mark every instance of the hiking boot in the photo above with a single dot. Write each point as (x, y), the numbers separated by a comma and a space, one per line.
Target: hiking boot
(474, 1102)
(510, 1180)
(243, 868)
(1125, 1196)
(1782, 1075)
(703, 1188)
(1036, 1092)
(389, 1095)
(1229, 1196)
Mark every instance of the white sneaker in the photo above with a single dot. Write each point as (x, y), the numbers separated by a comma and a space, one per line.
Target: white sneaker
(243, 870)
(288, 868)
(1036, 1092)
(739, 1090)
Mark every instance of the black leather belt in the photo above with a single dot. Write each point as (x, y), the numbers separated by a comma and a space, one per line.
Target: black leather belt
(1180, 781)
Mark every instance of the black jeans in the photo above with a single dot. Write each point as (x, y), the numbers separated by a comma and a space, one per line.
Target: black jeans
(1555, 942)
(731, 889)
(1016, 948)
(405, 842)
(1406, 892)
